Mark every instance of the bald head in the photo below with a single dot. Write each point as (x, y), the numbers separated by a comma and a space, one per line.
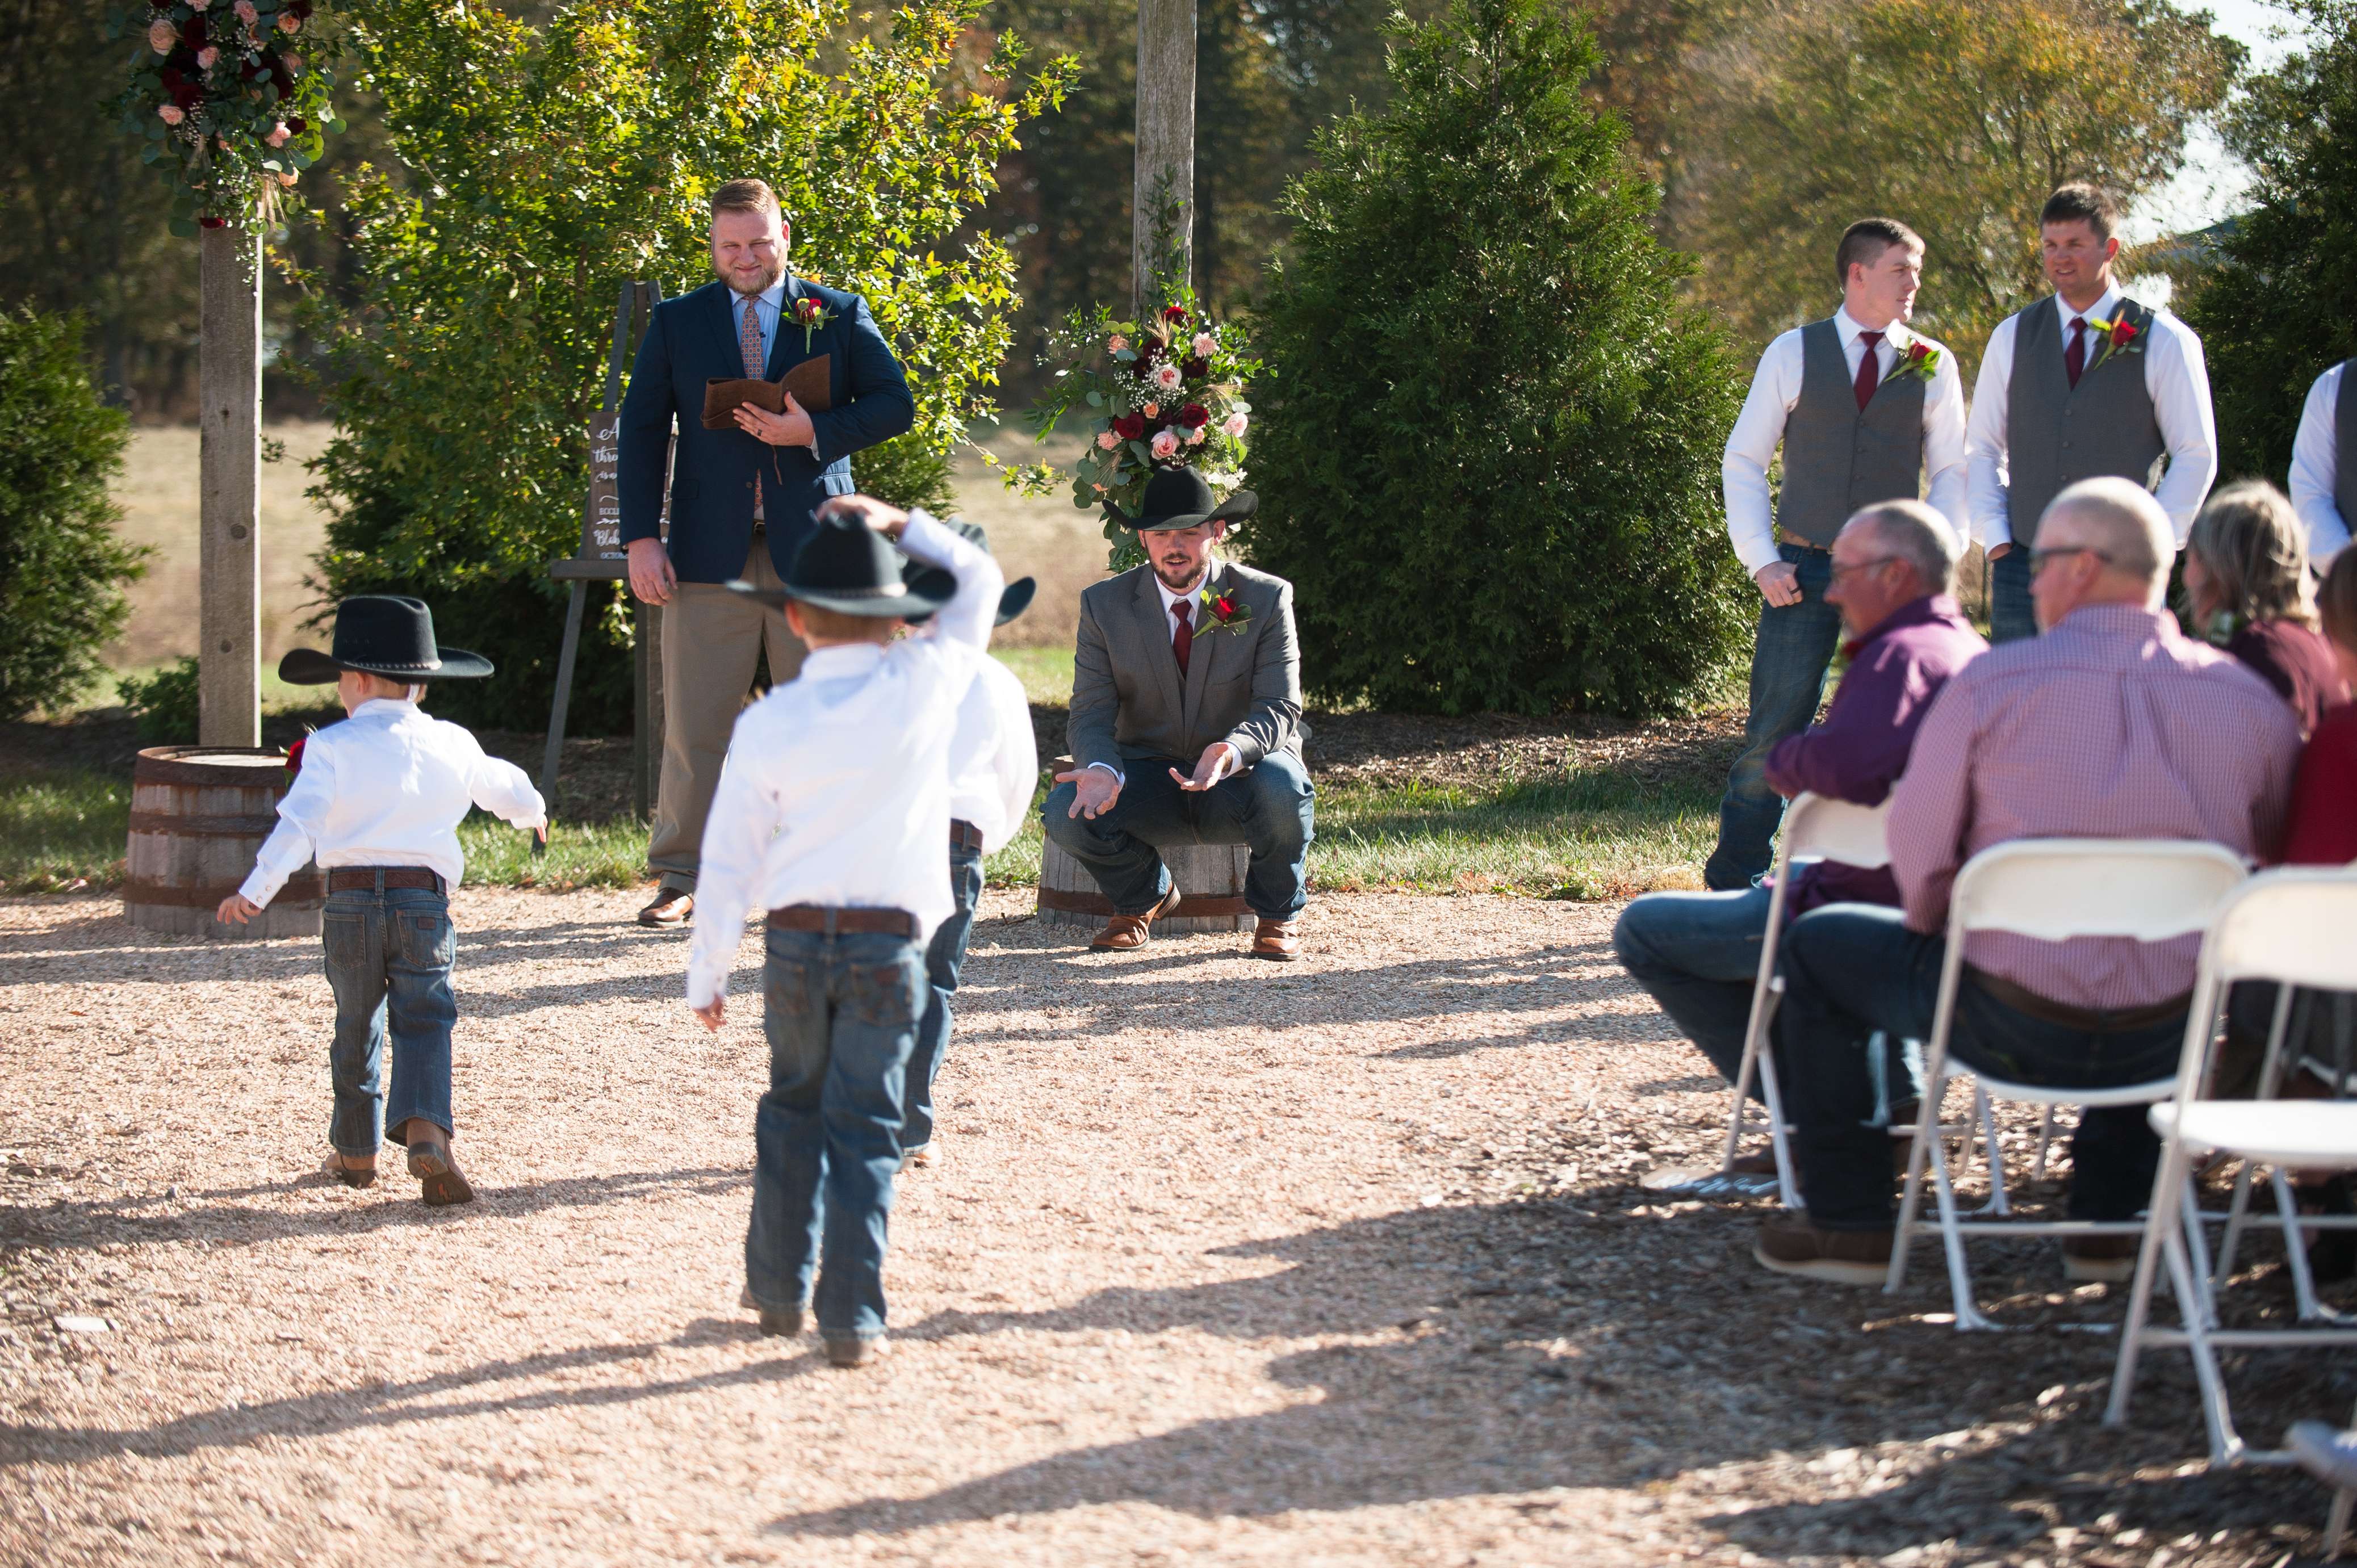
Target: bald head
(2119, 520)
(1916, 534)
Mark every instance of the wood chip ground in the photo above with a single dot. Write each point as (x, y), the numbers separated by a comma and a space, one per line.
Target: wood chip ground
(1226, 1262)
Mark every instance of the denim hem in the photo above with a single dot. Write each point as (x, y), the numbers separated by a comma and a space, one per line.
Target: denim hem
(848, 1335)
(355, 1153)
(392, 1121)
(801, 1305)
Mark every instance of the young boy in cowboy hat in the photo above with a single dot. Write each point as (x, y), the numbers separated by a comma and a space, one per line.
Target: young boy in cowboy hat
(830, 814)
(994, 767)
(377, 800)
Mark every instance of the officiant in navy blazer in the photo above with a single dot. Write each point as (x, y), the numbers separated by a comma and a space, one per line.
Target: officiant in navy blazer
(742, 496)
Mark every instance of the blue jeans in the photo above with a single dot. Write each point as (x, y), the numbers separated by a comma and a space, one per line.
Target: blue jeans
(388, 954)
(1789, 658)
(2011, 615)
(1852, 968)
(1268, 807)
(1698, 954)
(841, 1014)
(945, 956)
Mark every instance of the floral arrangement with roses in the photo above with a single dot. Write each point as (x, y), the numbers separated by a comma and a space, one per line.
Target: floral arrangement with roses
(231, 97)
(1164, 391)
(1917, 359)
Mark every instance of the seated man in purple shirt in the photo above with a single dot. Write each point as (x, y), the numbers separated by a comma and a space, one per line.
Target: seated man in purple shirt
(2113, 724)
(1894, 573)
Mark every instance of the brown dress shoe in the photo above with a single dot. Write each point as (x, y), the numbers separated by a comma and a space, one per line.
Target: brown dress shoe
(671, 907)
(2100, 1260)
(1123, 932)
(1789, 1244)
(1279, 940)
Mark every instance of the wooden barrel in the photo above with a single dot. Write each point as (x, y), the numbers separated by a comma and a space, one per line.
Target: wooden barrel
(198, 814)
(1210, 880)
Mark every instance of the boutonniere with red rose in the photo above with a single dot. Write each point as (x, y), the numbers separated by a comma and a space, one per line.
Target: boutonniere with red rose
(1917, 359)
(2122, 333)
(812, 316)
(294, 756)
(1222, 611)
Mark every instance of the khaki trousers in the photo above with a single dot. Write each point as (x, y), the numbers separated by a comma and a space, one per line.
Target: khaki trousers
(711, 639)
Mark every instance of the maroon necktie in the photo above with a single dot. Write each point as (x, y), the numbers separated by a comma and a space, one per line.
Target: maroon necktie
(1869, 369)
(1183, 638)
(2074, 356)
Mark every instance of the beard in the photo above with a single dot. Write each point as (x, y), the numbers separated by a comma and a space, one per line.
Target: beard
(771, 275)
(1182, 577)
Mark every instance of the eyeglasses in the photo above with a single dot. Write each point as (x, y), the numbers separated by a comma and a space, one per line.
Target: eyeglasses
(2037, 558)
(1842, 569)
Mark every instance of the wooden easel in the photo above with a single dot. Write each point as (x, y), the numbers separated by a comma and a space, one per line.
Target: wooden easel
(602, 559)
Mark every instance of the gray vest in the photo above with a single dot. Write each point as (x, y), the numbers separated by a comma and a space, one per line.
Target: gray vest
(1837, 459)
(2344, 443)
(2057, 434)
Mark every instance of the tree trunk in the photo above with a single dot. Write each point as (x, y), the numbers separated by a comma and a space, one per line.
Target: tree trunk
(1166, 131)
(228, 377)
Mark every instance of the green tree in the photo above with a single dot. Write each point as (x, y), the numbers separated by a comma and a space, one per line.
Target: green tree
(2278, 304)
(1955, 116)
(553, 160)
(62, 567)
(1487, 442)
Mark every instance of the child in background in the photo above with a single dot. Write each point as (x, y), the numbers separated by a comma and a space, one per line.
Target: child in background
(377, 802)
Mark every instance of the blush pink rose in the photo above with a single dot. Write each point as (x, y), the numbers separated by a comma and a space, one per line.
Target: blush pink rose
(1195, 436)
(288, 24)
(206, 56)
(1164, 444)
(1107, 441)
(1116, 344)
(293, 62)
(199, 4)
(277, 134)
(1204, 345)
(1234, 424)
(162, 35)
(171, 113)
(1167, 377)
(1151, 409)
(287, 176)
(246, 13)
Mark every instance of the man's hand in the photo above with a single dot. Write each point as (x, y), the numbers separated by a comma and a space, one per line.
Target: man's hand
(652, 578)
(711, 1015)
(1999, 551)
(887, 520)
(236, 910)
(1094, 790)
(791, 428)
(1780, 584)
(1219, 760)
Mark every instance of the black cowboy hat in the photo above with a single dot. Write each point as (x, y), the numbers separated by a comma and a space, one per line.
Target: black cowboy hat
(847, 566)
(390, 635)
(1181, 498)
(1013, 599)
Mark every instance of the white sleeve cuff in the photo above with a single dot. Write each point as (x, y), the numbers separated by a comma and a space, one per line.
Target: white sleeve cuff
(1118, 776)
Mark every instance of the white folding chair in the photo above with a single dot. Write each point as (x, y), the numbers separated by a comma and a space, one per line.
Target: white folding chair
(2287, 1217)
(2291, 927)
(1816, 827)
(2146, 890)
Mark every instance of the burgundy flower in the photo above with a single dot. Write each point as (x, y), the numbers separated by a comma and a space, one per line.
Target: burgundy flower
(297, 124)
(214, 223)
(1224, 607)
(1174, 313)
(1196, 370)
(192, 31)
(294, 758)
(299, 9)
(1130, 426)
(1194, 416)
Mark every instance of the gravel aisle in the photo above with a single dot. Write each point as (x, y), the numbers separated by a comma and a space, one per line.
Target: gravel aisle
(1226, 1262)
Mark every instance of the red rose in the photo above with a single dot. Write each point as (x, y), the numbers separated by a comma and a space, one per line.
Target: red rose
(1129, 426)
(297, 124)
(214, 223)
(2122, 333)
(1194, 415)
(1174, 313)
(299, 9)
(192, 31)
(1196, 369)
(294, 758)
(804, 309)
(1224, 607)
(1916, 353)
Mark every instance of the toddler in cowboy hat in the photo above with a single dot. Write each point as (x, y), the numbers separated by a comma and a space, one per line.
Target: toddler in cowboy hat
(377, 800)
(994, 767)
(831, 813)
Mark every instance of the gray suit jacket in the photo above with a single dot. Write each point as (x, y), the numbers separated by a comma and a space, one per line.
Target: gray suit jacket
(1241, 687)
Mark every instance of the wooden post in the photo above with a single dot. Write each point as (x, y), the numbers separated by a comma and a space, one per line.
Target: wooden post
(229, 551)
(1165, 132)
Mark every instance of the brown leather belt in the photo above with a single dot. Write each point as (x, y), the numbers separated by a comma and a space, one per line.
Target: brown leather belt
(844, 923)
(1785, 536)
(2093, 1020)
(363, 878)
(965, 835)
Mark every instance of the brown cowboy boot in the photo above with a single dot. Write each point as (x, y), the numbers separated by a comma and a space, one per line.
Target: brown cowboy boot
(1278, 941)
(1123, 932)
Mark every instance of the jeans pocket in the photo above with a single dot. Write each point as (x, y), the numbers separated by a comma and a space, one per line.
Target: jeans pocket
(428, 940)
(785, 988)
(345, 937)
(885, 996)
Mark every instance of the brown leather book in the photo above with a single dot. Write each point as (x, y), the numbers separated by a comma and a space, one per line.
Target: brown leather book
(812, 382)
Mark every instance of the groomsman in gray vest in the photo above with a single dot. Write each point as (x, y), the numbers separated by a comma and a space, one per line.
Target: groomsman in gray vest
(2324, 465)
(1864, 406)
(2106, 387)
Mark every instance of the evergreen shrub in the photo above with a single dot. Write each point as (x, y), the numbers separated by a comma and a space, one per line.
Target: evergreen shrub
(62, 567)
(1488, 437)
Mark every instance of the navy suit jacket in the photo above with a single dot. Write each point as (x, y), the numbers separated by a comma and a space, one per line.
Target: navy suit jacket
(694, 339)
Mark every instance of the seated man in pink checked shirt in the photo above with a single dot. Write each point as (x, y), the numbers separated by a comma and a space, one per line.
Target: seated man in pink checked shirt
(2111, 724)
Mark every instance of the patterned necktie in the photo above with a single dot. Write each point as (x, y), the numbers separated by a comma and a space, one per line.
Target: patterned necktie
(1869, 368)
(749, 343)
(2075, 357)
(1182, 637)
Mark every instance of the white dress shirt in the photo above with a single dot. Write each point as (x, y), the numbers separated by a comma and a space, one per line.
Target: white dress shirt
(2315, 470)
(994, 758)
(1776, 388)
(836, 788)
(2175, 377)
(388, 786)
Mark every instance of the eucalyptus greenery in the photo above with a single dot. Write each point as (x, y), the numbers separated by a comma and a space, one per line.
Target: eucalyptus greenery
(1488, 440)
(552, 160)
